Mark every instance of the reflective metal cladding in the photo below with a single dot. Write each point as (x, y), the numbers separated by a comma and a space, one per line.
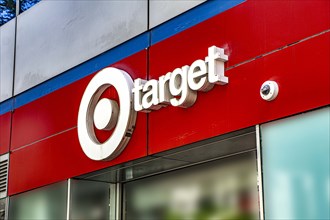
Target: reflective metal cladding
(69, 33)
(161, 11)
(7, 46)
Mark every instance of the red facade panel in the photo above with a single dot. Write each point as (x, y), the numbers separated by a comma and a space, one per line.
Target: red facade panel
(302, 72)
(47, 115)
(60, 157)
(58, 111)
(5, 120)
(245, 31)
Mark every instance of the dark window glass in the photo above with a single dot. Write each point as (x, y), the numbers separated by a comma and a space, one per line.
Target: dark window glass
(26, 4)
(89, 200)
(7, 10)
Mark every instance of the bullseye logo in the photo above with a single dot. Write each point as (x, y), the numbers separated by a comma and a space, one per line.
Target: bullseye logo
(106, 114)
(177, 88)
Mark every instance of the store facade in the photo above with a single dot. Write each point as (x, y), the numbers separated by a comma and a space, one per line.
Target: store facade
(191, 110)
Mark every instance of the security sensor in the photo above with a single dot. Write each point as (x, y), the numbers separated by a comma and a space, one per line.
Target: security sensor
(269, 90)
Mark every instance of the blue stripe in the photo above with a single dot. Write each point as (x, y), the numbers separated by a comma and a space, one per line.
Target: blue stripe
(6, 106)
(178, 24)
(190, 18)
(112, 56)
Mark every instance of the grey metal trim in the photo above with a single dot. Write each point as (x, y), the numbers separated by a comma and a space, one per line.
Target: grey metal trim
(17, 7)
(119, 201)
(112, 202)
(68, 200)
(7, 208)
(259, 178)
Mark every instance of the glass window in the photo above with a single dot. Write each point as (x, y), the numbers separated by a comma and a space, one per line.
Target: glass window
(3, 208)
(211, 179)
(7, 10)
(225, 189)
(89, 200)
(43, 203)
(296, 167)
(26, 4)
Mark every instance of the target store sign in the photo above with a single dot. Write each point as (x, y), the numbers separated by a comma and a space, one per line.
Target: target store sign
(177, 88)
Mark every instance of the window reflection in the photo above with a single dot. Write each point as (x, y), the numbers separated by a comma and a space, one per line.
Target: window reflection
(26, 4)
(221, 191)
(7, 10)
(296, 169)
(89, 200)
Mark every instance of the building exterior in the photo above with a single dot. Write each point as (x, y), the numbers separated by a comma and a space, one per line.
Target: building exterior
(210, 110)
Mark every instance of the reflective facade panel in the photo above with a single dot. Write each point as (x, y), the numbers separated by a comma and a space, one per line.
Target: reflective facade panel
(69, 33)
(296, 166)
(163, 10)
(7, 46)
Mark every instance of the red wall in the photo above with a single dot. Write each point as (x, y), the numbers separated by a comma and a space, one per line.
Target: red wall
(5, 120)
(247, 31)
(257, 36)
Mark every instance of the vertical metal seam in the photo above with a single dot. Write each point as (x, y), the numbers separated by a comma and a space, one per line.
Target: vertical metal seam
(148, 70)
(7, 208)
(13, 83)
(17, 7)
(112, 201)
(68, 200)
(15, 42)
(148, 15)
(260, 176)
(119, 211)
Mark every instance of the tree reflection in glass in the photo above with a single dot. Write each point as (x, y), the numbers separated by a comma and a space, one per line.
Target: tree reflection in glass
(7, 10)
(26, 4)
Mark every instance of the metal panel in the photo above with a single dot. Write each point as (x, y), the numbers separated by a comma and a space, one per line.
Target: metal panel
(7, 45)
(55, 36)
(161, 11)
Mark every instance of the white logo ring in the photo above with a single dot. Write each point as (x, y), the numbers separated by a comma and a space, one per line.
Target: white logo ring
(116, 143)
